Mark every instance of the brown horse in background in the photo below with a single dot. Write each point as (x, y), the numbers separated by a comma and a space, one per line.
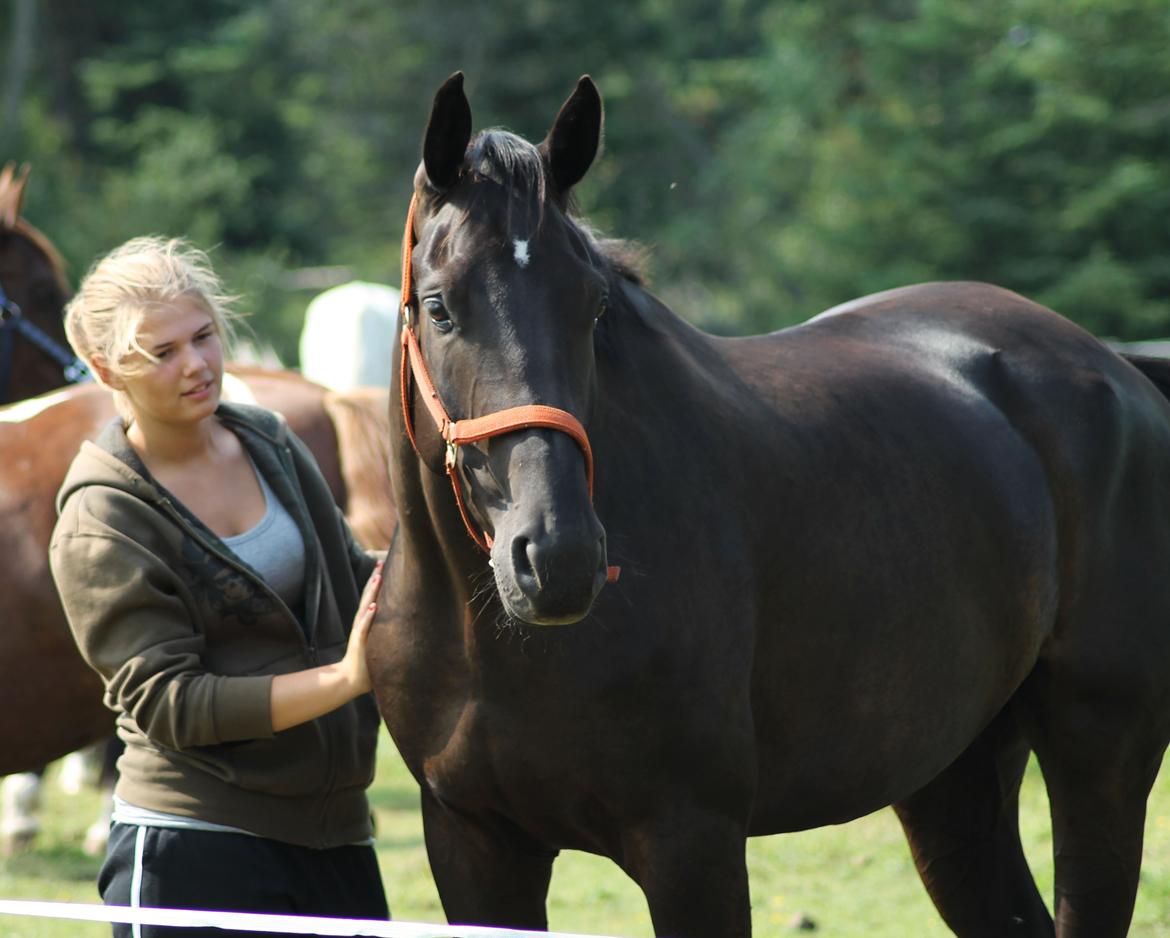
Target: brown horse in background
(873, 559)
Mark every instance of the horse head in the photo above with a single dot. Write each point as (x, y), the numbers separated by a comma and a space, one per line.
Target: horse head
(502, 291)
(33, 294)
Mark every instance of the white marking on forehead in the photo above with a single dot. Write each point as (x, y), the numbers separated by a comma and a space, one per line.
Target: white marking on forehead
(26, 410)
(520, 252)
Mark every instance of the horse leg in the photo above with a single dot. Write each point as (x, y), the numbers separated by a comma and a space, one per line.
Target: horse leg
(486, 875)
(20, 802)
(964, 836)
(692, 867)
(1100, 758)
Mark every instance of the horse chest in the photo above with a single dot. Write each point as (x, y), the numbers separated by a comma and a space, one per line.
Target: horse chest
(491, 756)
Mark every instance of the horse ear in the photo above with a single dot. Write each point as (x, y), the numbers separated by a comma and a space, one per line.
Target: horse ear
(575, 136)
(12, 182)
(448, 132)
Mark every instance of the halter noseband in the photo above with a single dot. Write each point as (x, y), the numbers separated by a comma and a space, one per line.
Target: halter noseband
(458, 432)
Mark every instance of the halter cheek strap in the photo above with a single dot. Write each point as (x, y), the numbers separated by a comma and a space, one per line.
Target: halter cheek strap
(458, 432)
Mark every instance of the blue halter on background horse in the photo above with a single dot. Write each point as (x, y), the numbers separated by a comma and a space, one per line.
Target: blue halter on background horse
(874, 559)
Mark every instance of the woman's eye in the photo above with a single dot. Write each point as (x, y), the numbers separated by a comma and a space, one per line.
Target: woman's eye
(438, 313)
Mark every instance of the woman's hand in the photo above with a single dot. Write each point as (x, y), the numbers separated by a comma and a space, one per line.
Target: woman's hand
(354, 663)
(305, 695)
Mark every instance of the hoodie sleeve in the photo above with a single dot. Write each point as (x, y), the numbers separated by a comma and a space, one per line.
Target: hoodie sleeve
(130, 616)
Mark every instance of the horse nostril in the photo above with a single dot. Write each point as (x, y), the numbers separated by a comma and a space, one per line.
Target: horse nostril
(522, 557)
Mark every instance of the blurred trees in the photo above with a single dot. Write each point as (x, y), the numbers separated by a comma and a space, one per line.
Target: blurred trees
(777, 157)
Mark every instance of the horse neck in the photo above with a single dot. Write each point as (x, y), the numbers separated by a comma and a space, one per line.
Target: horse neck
(648, 353)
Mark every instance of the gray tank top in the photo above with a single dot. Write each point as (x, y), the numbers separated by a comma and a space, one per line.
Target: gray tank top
(274, 548)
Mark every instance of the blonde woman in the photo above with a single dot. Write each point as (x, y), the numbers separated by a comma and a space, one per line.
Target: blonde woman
(211, 582)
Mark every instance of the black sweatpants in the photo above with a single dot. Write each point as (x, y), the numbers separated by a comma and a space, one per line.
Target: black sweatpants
(190, 869)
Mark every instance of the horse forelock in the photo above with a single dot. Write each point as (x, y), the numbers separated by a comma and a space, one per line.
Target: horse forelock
(509, 161)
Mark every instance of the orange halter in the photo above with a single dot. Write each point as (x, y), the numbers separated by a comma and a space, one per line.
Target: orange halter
(458, 432)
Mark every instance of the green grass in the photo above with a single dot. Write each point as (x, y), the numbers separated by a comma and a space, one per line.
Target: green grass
(852, 880)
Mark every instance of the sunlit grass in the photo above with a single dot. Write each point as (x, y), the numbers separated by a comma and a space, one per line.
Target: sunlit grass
(851, 880)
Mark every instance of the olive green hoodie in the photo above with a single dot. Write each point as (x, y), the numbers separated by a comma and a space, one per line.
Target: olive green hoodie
(187, 638)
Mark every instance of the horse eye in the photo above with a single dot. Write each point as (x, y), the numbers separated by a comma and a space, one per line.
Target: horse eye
(601, 308)
(438, 313)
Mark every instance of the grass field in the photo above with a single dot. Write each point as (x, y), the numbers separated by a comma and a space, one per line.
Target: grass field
(851, 880)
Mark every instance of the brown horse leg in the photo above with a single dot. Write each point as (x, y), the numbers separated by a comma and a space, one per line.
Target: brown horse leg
(1099, 764)
(964, 836)
(485, 876)
(692, 868)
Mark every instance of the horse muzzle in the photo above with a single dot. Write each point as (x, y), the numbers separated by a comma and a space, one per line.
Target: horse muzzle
(546, 575)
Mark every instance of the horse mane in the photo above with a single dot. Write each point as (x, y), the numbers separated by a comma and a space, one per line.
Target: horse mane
(516, 165)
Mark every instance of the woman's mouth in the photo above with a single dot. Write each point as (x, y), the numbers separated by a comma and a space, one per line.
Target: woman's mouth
(199, 391)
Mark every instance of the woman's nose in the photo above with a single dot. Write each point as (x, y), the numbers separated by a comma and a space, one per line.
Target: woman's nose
(193, 360)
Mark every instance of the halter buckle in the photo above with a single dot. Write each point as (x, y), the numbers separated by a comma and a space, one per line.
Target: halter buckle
(452, 454)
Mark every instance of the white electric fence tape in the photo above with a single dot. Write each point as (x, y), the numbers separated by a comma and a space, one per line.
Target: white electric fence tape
(241, 921)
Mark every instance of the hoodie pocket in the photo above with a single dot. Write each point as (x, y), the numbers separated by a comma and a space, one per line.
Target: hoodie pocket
(294, 763)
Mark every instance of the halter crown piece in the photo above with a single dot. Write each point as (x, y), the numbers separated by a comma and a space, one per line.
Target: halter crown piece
(458, 432)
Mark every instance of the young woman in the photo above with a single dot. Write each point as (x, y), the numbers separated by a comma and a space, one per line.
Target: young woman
(210, 580)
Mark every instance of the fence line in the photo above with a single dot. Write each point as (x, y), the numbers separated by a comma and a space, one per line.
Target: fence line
(248, 921)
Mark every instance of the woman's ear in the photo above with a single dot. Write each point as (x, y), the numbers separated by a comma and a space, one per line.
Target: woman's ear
(106, 376)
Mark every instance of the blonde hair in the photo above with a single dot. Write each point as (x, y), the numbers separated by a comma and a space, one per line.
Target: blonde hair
(103, 318)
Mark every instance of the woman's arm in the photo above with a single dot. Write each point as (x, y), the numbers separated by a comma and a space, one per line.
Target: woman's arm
(128, 613)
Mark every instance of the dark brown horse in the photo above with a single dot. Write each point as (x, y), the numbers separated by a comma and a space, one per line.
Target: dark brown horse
(34, 354)
(39, 439)
(873, 559)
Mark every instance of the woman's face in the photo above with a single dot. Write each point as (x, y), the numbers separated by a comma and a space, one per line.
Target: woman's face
(183, 386)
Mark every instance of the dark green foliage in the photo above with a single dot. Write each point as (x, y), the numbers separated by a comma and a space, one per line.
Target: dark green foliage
(777, 157)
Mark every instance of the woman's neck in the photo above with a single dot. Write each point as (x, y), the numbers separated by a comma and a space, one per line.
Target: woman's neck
(160, 444)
